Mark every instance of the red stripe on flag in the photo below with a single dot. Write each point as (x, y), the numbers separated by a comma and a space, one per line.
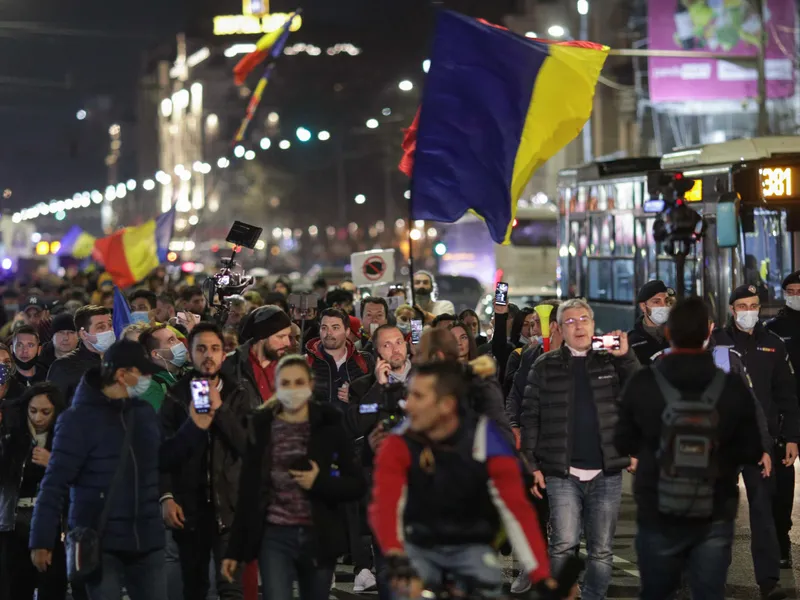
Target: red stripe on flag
(245, 66)
(112, 250)
(410, 147)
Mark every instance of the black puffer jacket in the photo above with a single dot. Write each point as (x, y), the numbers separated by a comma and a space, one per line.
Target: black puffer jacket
(218, 461)
(547, 418)
(66, 372)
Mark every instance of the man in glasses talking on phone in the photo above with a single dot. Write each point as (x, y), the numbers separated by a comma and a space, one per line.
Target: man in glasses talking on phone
(569, 410)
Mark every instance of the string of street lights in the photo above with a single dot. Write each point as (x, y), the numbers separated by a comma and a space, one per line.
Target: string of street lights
(85, 199)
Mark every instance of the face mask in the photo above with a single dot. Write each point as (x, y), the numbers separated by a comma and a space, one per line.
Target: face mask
(293, 399)
(178, 354)
(5, 373)
(25, 365)
(104, 341)
(141, 387)
(524, 340)
(140, 317)
(373, 327)
(659, 315)
(539, 340)
(405, 328)
(793, 302)
(747, 319)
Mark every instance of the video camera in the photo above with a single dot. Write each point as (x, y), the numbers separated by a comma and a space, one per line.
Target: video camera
(390, 409)
(227, 281)
(678, 226)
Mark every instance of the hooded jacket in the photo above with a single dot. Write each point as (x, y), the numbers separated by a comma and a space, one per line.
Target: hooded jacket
(328, 378)
(86, 451)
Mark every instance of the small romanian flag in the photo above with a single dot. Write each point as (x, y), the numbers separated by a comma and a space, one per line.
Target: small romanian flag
(130, 254)
(270, 44)
(77, 243)
(496, 106)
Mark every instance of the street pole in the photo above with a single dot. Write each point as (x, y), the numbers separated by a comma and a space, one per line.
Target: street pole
(587, 129)
(763, 116)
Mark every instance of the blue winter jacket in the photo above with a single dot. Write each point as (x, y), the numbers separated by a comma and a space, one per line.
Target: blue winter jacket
(86, 451)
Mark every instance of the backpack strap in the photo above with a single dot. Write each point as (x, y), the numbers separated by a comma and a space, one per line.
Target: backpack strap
(669, 391)
(713, 392)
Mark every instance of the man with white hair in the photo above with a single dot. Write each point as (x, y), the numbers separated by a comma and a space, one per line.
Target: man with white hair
(569, 411)
(425, 295)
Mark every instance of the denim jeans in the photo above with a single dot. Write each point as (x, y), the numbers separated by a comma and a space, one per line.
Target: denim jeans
(702, 551)
(287, 555)
(591, 508)
(474, 566)
(142, 575)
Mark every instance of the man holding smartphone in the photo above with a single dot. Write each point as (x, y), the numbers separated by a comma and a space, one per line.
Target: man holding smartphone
(200, 519)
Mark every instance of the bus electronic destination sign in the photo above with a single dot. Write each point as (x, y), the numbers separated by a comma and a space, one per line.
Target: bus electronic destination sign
(777, 183)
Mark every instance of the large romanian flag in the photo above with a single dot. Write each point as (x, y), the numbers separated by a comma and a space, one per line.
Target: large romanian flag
(269, 46)
(496, 106)
(130, 254)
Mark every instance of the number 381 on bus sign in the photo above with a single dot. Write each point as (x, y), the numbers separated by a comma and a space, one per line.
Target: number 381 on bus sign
(776, 182)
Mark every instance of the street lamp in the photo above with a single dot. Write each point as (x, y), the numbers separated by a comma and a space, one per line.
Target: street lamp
(426, 65)
(360, 199)
(405, 86)
(285, 144)
(266, 143)
(583, 7)
(531, 35)
(556, 31)
(303, 134)
(372, 124)
(324, 136)
(81, 115)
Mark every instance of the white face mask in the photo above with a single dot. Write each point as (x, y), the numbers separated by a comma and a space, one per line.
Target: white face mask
(793, 302)
(524, 340)
(293, 400)
(104, 341)
(141, 387)
(747, 319)
(659, 315)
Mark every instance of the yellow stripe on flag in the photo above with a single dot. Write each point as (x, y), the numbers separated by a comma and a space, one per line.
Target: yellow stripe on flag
(141, 251)
(83, 246)
(269, 39)
(560, 106)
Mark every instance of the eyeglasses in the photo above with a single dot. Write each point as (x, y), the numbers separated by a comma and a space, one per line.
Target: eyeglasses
(572, 322)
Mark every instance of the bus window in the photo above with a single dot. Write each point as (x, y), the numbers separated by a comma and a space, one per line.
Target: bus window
(768, 253)
(531, 233)
(667, 274)
(602, 198)
(623, 280)
(602, 235)
(623, 238)
(600, 279)
(581, 199)
(623, 196)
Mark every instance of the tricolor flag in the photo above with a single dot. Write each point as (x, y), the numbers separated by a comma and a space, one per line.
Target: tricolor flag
(496, 106)
(77, 243)
(121, 315)
(130, 254)
(271, 45)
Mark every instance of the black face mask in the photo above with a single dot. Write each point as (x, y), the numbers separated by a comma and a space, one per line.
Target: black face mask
(25, 366)
(425, 292)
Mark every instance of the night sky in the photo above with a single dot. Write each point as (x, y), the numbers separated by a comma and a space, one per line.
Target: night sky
(57, 60)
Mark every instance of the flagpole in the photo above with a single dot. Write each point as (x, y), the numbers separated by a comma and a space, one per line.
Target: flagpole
(411, 243)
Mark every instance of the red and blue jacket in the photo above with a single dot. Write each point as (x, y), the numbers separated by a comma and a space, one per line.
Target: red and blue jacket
(460, 491)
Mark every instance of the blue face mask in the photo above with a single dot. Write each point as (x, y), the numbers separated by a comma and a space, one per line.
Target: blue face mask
(140, 316)
(141, 387)
(178, 354)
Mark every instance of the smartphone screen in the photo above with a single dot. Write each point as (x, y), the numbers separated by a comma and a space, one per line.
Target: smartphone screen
(501, 294)
(605, 342)
(201, 397)
(416, 331)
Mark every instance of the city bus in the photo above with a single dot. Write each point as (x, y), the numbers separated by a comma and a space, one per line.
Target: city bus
(605, 233)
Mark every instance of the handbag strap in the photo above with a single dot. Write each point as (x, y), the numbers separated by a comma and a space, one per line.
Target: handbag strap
(117, 479)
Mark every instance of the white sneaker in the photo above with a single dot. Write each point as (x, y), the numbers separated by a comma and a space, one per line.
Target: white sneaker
(365, 582)
(521, 584)
(333, 580)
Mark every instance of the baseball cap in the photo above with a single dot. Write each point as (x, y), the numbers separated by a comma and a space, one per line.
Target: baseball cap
(126, 354)
(34, 302)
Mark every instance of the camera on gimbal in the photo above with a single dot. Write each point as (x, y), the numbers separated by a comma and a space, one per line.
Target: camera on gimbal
(678, 226)
(389, 411)
(228, 281)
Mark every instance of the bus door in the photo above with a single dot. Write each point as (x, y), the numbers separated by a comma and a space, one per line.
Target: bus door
(765, 256)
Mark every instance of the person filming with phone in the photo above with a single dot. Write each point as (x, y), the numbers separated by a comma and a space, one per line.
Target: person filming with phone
(297, 473)
(569, 410)
(199, 496)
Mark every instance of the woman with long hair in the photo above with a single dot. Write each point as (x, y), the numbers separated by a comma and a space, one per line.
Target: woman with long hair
(470, 318)
(298, 472)
(467, 348)
(26, 438)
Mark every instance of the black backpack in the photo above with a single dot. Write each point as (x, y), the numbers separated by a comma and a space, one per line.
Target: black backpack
(688, 458)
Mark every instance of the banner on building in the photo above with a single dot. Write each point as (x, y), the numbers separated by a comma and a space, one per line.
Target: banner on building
(719, 26)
